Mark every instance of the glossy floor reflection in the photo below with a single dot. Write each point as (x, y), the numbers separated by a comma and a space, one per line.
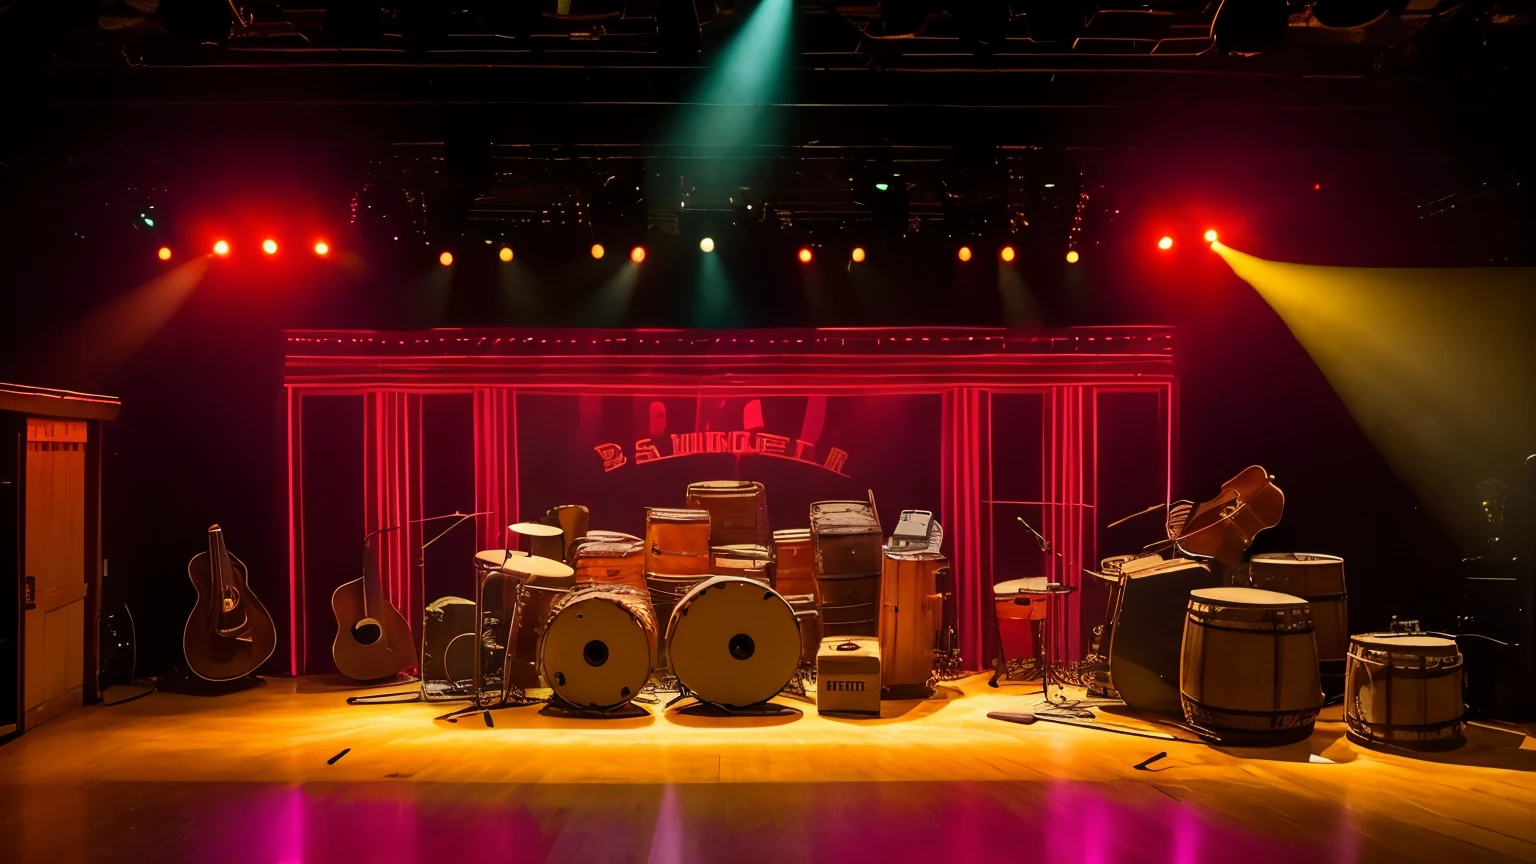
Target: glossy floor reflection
(394, 823)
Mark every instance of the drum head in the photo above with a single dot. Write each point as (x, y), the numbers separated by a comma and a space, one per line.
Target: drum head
(733, 641)
(595, 653)
(1244, 597)
(545, 571)
(1031, 585)
(535, 529)
(1407, 643)
(496, 559)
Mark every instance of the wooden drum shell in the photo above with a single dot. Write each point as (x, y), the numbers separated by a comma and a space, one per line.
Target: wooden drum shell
(849, 605)
(738, 511)
(794, 565)
(677, 541)
(609, 562)
(845, 539)
(627, 667)
(1249, 665)
(1404, 690)
(911, 613)
(1317, 579)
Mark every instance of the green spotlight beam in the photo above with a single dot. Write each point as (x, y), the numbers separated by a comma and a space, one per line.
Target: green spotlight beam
(1437, 365)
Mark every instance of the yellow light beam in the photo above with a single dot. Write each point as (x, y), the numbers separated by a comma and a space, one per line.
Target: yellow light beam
(1438, 366)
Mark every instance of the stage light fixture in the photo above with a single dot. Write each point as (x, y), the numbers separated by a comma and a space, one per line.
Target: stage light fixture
(637, 254)
(269, 246)
(706, 245)
(505, 254)
(221, 247)
(965, 253)
(1007, 254)
(805, 255)
(164, 253)
(883, 187)
(597, 251)
(1072, 256)
(322, 248)
(858, 254)
(1210, 236)
(1165, 244)
(445, 259)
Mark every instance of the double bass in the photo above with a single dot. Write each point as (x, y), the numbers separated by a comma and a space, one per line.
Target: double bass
(229, 633)
(1223, 527)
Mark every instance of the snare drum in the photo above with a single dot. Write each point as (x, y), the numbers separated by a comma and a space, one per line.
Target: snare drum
(1404, 689)
(1248, 669)
(733, 641)
(738, 510)
(1318, 579)
(599, 646)
(677, 541)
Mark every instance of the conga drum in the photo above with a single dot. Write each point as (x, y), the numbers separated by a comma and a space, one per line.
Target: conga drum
(738, 511)
(1404, 689)
(543, 582)
(733, 641)
(1248, 671)
(599, 646)
(911, 612)
(676, 541)
(794, 570)
(1317, 579)
(610, 562)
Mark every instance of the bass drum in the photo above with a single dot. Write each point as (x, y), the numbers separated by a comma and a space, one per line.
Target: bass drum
(733, 641)
(599, 646)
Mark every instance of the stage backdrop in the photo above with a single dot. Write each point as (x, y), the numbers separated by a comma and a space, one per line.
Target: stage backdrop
(1069, 429)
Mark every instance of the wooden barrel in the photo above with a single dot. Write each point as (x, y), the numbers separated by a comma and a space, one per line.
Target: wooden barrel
(744, 560)
(1248, 670)
(676, 541)
(911, 612)
(1318, 579)
(1404, 689)
(738, 511)
(845, 538)
(794, 568)
(849, 605)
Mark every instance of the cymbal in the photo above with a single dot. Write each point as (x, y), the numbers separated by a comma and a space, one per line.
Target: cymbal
(537, 568)
(535, 529)
(498, 557)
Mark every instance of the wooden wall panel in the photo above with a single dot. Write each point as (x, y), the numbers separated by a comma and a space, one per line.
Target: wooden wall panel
(55, 558)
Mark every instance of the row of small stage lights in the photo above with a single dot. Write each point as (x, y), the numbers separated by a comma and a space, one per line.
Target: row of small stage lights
(857, 255)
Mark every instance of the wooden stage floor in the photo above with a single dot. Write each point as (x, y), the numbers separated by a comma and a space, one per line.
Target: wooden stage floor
(245, 778)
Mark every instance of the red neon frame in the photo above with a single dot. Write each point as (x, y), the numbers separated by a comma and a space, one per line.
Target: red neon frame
(1069, 369)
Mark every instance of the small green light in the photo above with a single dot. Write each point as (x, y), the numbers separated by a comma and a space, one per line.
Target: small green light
(148, 221)
(882, 186)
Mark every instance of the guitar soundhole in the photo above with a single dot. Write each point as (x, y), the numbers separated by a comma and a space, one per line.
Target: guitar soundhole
(367, 632)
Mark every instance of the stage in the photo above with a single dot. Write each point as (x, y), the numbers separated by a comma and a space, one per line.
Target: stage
(248, 777)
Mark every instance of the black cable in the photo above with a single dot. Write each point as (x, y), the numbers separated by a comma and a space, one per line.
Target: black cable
(153, 686)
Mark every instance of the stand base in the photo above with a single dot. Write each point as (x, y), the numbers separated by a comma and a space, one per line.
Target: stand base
(186, 683)
(700, 708)
(557, 707)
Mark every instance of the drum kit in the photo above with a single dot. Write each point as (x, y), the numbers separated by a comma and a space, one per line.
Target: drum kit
(708, 604)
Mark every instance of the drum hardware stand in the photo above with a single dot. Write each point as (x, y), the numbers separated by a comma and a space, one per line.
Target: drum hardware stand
(557, 707)
(760, 709)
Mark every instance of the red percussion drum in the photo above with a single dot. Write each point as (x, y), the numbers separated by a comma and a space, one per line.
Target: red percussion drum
(1020, 607)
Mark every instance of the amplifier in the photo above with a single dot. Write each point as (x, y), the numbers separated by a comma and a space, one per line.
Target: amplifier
(1496, 600)
(448, 650)
(848, 675)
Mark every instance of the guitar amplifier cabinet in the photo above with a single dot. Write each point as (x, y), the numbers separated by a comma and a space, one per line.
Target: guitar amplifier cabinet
(848, 675)
(1496, 600)
(448, 650)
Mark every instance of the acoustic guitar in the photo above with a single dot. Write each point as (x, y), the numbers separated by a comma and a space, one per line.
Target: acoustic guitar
(229, 633)
(373, 641)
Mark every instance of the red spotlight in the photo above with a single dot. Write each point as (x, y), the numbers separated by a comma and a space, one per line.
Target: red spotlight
(164, 253)
(269, 247)
(1007, 254)
(221, 247)
(445, 259)
(965, 253)
(637, 254)
(322, 248)
(1210, 236)
(1317, 187)
(1165, 244)
(805, 254)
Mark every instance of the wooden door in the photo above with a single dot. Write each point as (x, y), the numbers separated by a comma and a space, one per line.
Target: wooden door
(55, 563)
